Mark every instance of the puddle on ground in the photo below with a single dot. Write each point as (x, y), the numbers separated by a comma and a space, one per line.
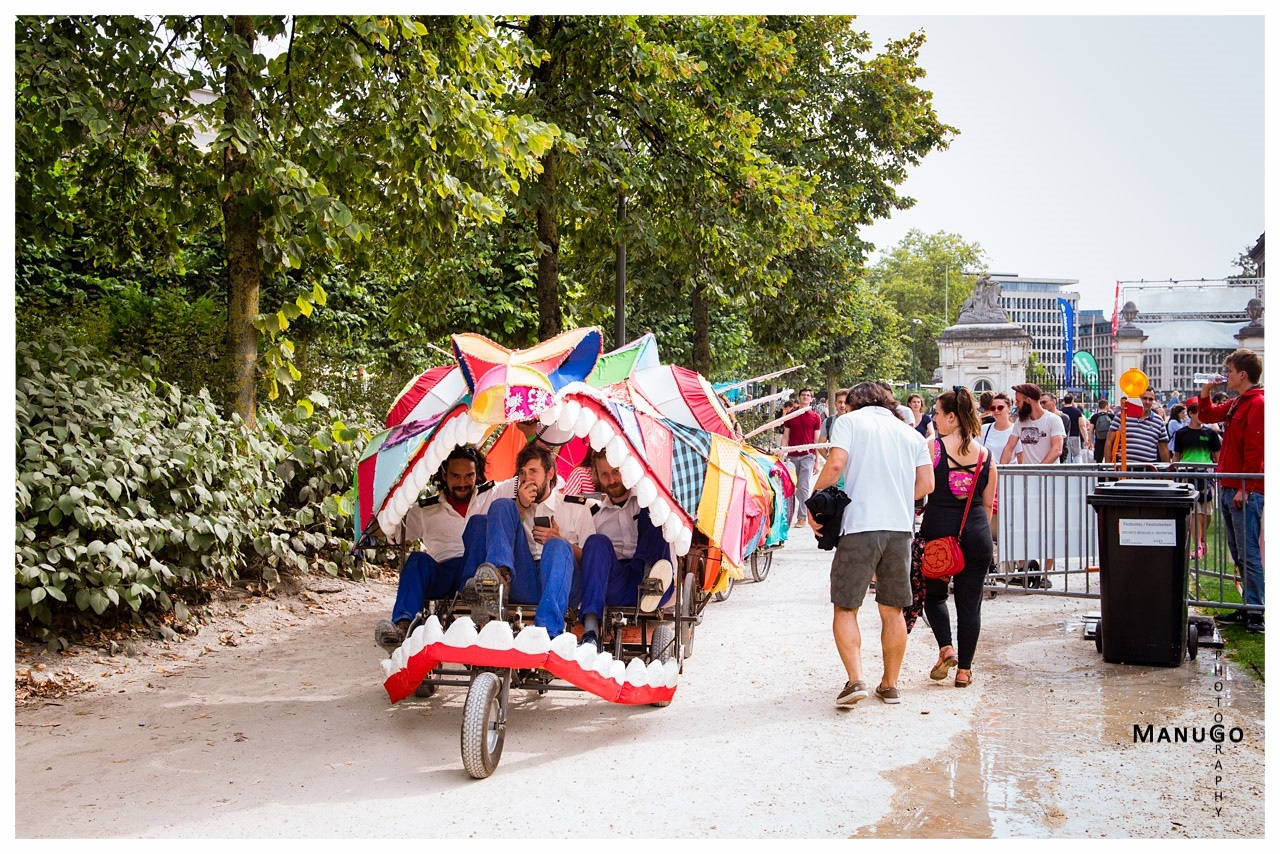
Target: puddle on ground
(997, 779)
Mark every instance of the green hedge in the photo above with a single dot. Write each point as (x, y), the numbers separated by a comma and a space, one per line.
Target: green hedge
(136, 497)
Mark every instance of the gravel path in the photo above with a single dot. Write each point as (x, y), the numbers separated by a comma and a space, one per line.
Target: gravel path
(273, 723)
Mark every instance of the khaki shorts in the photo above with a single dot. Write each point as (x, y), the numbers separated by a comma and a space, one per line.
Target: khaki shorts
(884, 554)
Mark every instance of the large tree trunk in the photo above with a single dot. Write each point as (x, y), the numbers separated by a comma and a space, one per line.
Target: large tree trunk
(241, 225)
(549, 318)
(700, 335)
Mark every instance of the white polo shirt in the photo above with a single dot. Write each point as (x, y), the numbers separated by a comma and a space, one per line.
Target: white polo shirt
(880, 473)
(570, 513)
(439, 526)
(619, 522)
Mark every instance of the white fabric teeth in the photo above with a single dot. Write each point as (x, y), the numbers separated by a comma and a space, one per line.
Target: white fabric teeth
(659, 512)
(637, 673)
(616, 451)
(550, 415)
(600, 434)
(568, 418)
(533, 640)
(646, 491)
(461, 634)
(564, 645)
(631, 471)
(586, 420)
(496, 634)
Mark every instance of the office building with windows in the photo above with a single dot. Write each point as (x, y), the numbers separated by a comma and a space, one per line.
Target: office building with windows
(1032, 303)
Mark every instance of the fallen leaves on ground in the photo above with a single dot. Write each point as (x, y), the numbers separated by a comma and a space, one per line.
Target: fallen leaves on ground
(31, 686)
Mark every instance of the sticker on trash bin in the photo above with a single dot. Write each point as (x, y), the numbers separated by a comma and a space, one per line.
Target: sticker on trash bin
(1148, 532)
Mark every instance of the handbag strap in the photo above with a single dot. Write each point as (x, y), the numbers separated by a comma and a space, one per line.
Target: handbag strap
(973, 487)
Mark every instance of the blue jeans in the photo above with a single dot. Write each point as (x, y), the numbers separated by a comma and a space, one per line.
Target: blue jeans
(608, 580)
(1243, 528)
(547, 581)
(804, 484)
(423, 577)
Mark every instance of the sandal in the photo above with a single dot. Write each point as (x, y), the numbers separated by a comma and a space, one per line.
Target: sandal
(942, 669)
(964, 681)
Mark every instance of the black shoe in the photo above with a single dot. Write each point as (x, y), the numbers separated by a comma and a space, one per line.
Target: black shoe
(1255, 625)
(1236, 617)
(590, 639)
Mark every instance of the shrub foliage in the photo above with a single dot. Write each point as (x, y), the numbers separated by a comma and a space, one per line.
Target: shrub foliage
(134, 496)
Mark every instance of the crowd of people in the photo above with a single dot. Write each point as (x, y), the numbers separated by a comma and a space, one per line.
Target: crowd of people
(888, 455)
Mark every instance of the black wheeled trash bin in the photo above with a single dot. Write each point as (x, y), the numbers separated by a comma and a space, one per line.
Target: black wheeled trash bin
(1142, 531)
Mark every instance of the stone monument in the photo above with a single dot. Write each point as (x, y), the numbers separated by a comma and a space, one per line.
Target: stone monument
(1129, 344)
(1251, 336)
(983, 350)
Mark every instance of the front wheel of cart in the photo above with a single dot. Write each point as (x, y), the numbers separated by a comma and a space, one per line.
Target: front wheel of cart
(1193, 641)
(1097, 636)
(662, 646)
(483, 726)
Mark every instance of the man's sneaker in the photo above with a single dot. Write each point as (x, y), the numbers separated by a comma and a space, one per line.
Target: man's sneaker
(1255, 625)
(1238, 617)
(589, 639)
(888, 695)
(389, 635)
(852, 693)
(656, 583)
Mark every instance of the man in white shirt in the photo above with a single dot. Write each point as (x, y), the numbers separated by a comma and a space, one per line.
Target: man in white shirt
(1038, 435)
(535, 540)
(626, 552)
(887, 467)
(446, 525)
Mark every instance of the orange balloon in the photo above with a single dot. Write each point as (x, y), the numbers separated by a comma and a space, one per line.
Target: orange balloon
(1133, 382)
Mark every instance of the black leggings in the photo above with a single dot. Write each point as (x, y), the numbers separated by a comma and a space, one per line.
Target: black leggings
(968, 585)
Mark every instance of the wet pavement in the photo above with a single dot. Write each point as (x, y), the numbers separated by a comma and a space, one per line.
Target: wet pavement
(1053, 749)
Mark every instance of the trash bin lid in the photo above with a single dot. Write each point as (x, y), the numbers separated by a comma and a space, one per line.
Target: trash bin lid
(1145, 490)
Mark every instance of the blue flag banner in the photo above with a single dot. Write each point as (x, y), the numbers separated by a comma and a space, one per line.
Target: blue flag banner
(1068, 337)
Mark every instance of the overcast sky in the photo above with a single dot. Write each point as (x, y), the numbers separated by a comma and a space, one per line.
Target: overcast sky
(1092, 148)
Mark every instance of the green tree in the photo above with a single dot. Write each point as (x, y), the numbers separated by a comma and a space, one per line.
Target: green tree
(355, 140)
(926, 277)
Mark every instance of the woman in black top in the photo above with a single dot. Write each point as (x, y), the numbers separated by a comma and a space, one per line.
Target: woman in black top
(957, 458)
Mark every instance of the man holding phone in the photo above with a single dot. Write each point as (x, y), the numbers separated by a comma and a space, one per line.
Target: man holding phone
(534, 542)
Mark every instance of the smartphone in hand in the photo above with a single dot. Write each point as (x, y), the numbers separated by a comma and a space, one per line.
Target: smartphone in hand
(542, 521)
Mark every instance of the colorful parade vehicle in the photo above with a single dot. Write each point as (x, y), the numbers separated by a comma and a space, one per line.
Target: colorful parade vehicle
(720, 504)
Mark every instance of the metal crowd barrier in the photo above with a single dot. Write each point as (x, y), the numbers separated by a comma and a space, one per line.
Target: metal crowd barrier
(1044, 522)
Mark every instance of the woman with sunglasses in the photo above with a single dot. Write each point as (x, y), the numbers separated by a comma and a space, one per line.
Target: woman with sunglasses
(995, 436)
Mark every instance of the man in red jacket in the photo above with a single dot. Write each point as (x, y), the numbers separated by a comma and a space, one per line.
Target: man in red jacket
(1242, 500)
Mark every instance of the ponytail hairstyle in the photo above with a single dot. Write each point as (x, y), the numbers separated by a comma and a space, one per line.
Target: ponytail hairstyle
(960, 403)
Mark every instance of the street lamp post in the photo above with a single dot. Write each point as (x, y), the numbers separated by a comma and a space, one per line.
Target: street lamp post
(915, 335)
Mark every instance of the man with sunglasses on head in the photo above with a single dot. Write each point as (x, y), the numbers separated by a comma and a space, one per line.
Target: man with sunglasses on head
(1242, 453)
(447, 524)
(1145, 437)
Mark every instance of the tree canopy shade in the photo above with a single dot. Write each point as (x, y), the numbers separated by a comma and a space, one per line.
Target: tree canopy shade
(736, 140)
(361, 140)
(926, 277)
